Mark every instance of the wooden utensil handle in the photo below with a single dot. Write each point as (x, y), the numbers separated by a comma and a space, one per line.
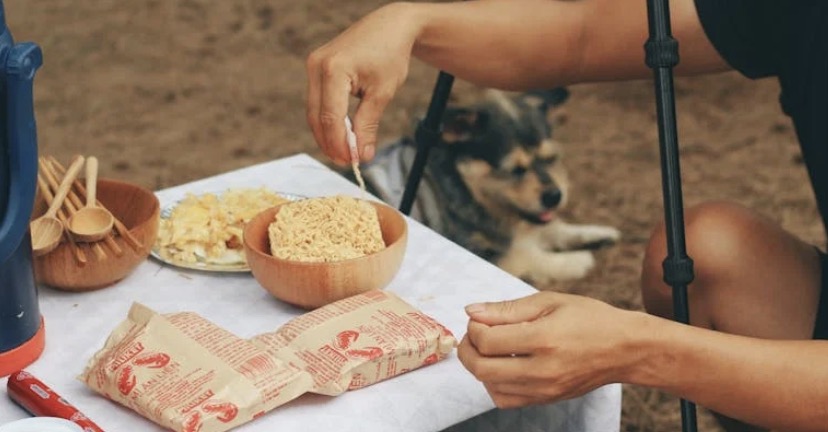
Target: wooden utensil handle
(91, 180)
(65, 184)
(109, 240)
(73, 203)
(119, 226)
(128, 237)
(47, 195)
(66, 210)
(52, 184)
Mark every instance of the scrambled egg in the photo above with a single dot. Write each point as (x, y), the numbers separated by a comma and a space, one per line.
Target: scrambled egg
(208, 228)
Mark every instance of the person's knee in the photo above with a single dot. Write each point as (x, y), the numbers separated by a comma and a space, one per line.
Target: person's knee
(715, 233)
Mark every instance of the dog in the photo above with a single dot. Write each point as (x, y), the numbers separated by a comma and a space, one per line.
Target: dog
(494, 184)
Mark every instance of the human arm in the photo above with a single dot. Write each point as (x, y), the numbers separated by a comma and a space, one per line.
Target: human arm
(507, 44)
(519, 45)
(568, 345)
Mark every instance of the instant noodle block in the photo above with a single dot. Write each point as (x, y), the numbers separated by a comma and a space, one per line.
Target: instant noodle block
(325, 249)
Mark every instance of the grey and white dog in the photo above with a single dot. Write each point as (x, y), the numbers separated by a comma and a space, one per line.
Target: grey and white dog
(494, 185)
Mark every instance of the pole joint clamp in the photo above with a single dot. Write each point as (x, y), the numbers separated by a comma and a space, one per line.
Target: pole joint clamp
(678, 271)
(661, 52)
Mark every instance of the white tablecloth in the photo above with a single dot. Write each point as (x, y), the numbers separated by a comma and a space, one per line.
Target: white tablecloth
(436, 276)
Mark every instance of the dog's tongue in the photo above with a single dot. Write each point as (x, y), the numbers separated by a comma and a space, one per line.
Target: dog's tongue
(546, 216)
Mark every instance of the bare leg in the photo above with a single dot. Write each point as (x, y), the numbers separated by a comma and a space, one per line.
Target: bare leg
(751, 277)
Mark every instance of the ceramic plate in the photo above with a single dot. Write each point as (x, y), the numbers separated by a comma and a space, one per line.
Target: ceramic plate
(41, 424)
(231, 265)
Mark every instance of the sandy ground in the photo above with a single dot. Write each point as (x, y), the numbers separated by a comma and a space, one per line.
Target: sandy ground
(165, 92)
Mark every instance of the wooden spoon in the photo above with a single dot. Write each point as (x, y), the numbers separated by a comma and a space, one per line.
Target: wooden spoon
(47, 195)
(91, 223)
(47, 229)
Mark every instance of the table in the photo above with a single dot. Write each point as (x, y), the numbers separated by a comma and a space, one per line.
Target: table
(437, 277)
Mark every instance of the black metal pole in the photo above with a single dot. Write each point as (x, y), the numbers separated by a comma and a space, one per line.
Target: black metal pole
(662, 55)
(426, 136)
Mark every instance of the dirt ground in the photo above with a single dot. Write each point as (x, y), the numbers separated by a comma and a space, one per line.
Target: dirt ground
(165, 92)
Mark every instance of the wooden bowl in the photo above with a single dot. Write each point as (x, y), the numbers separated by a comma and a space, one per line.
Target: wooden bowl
(313, 284)
(137, 208)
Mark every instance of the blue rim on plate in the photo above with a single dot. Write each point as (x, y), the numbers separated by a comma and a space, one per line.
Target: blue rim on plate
(234, 267)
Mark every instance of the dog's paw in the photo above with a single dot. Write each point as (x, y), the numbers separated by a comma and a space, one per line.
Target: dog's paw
(573, 237)
(598, 236)
(562, 266)
(579, 263)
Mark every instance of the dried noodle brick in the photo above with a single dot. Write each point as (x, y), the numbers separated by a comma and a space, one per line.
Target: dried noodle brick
(325, 229)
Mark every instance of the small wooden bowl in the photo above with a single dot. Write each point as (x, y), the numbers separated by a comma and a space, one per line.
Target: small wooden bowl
(313, 284)
(138, 208)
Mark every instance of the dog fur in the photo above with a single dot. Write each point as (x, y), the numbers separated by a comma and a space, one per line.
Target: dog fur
(498, 180)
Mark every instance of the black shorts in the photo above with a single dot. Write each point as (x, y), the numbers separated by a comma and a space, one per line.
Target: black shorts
(821, 325)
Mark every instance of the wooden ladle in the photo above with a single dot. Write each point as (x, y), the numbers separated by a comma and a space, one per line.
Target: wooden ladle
(47, 229)
(91, 223)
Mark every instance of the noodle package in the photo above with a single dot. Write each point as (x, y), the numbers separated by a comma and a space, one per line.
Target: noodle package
(187, 374)
(359, 341)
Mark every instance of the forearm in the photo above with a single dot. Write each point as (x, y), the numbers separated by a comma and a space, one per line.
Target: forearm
(519, 44)
(772, 383)
(511, 44)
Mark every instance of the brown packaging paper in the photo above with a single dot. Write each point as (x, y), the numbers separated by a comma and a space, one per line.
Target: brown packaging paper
(187, 374)
(359, 341)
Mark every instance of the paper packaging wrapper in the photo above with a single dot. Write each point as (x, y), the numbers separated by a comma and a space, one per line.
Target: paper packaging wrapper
(359, 341)
(187, 374)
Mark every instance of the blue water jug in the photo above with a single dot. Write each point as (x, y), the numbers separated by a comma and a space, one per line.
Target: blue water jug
(21, 325)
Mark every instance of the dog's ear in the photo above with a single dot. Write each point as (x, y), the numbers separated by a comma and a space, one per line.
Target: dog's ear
(459, 124)
(545, 100)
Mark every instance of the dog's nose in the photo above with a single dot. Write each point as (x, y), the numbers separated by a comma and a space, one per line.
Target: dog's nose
(551, 198)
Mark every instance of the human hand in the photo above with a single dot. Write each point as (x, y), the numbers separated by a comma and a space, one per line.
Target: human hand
(547, 347)
(370, 61)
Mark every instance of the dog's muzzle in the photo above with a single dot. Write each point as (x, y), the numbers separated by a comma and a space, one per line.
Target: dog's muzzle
(549, 199)
(541, 218)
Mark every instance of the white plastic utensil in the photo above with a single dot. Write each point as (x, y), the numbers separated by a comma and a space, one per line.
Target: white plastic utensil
(350, 136)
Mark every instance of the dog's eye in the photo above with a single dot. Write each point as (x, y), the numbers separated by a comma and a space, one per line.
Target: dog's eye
(518, 171)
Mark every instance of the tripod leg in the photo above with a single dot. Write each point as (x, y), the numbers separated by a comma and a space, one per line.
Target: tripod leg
(662, 55)
(426, 136)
